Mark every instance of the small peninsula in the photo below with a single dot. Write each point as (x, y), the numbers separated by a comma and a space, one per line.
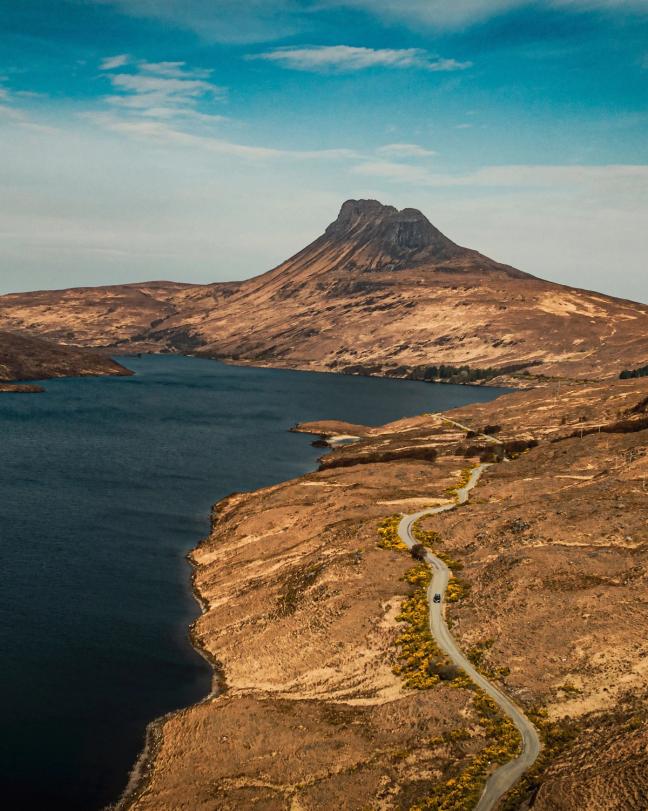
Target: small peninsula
(24, 357)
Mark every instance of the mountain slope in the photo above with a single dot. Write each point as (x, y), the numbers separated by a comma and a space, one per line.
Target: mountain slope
(381, 291)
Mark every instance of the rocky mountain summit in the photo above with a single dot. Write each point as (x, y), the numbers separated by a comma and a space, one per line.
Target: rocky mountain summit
(383, 238)
(381, 291)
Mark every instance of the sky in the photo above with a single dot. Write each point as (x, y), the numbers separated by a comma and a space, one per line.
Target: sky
(208, 140)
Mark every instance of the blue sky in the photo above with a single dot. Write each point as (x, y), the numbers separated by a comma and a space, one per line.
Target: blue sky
(205, 140)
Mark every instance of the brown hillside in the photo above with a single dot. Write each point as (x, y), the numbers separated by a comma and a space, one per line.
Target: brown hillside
(25, 358)
(381, 291)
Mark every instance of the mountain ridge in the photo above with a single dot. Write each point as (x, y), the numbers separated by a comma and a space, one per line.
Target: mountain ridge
(380, 291)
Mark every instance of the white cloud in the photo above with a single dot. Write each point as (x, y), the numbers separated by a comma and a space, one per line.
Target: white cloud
(349, 58)
(464, 13)
(633, 178)
(7, 108)
(176, 70)
(165, 133)
(112, 62)
(235, 21)
(7, 111)
(389, 170)
(161, 102)
(165, 90)
(405, 151)
(179, 90)
(266, 20)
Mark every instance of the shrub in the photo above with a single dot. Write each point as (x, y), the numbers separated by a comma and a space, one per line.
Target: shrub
(388, 531)
(641, 371)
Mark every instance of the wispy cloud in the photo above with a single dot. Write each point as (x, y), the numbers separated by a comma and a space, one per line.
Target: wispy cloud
(13, 113)
(175, 70)
(165, 103)
(267, 20)
(180, 91)
(394, 171)
(163, 90)
(510, 176)
(112, 62)
(442, 14)
(234, 21)
(405, 151)
(165, 133)
(321, 58)
(7, 108)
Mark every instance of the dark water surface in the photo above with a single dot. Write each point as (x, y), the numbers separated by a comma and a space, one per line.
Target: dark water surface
(105, 484)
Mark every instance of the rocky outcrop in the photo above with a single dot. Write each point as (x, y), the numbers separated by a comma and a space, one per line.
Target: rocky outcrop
(20, 388)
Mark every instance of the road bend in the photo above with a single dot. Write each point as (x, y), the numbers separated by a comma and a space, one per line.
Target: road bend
(505, 777)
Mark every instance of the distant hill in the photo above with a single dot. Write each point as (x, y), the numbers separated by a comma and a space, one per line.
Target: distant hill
(381, 291)
(26, 358)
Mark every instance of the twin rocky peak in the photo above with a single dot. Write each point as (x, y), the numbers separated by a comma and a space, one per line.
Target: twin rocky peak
(405, 236)
(369, 236)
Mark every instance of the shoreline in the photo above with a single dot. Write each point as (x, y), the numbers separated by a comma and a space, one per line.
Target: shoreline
(552, 426)
(142, 770)
(20, 388)
(505, 380)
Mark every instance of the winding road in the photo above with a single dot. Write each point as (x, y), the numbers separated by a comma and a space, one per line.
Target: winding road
(507, 775)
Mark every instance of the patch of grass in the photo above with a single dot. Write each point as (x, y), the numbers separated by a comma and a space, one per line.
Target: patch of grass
(293, 588)
(477, 655)
(570, 689)
(459, 734)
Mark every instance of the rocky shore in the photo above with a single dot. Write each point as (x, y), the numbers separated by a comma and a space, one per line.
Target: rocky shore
(21, 388)
(303, 617)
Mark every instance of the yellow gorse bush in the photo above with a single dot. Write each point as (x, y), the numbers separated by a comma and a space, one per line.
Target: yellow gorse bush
(464, 478)
(419, 662)
(388, 531)
(417, 651)
(462, 791)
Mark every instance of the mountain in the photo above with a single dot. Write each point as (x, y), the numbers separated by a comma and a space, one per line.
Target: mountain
(26, 358)
(380, 291)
